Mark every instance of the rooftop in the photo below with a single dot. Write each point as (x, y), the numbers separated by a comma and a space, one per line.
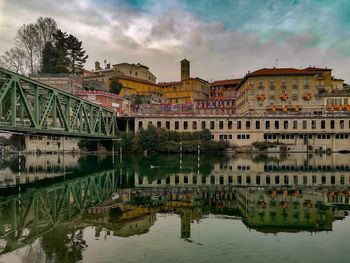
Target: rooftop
(226, 82)
(280, 71)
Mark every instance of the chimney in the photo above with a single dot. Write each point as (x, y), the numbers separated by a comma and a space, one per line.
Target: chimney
(108, 66)
(97, 65)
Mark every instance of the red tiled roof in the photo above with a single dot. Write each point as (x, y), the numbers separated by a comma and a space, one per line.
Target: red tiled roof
(226, 82)
(280, 71)
(276, 72)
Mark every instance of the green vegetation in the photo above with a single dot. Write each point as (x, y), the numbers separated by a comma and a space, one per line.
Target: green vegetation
(115, 86)
(64, 54)
(153, 140)
(42, 47)
(263, 146)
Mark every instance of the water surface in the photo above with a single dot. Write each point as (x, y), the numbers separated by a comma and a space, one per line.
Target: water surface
(238, 208)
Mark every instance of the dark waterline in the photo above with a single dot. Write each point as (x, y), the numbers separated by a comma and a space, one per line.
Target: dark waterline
(207, 208)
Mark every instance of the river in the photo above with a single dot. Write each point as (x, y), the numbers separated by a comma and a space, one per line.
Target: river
(175, 208)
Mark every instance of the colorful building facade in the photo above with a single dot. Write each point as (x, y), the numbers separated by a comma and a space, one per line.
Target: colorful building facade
(285, 90)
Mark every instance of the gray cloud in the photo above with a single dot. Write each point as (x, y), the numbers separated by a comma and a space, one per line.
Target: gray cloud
(160, 37)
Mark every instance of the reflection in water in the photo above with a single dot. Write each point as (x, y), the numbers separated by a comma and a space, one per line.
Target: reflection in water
(270, 194)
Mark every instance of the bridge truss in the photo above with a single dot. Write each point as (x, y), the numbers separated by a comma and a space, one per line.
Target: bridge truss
(29, 106)
(26, 217)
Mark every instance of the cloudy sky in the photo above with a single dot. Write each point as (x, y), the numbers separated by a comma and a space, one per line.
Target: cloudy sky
(222, 39)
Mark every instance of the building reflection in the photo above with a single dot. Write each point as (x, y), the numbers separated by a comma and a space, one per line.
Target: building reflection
(268, 194)
(268, 210)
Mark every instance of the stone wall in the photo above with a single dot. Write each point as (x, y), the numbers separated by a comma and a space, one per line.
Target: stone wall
(51, 144)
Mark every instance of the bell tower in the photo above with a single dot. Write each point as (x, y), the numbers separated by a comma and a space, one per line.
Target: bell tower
(185, 69)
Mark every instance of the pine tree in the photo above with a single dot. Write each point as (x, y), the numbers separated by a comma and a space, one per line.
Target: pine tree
(54, 57)
(49, 58)
(76, 55)
(60, 43)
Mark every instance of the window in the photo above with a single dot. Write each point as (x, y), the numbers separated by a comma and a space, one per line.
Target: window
(167, 125)
(247, 125)
(286, 179)
(194, 125)
(159, 124)
(267, 125)
(257, 180)
(212, 125)
(332, 124)
(295, 179)
(229, 125)
(257, 125)
(304, 124)
(268, 179)
(341, 124)
(248, 180)
(185, 125)
(313, 124)
(176, 125)
(323, 124)
(238, 136)
(295, 124)
(239, 125)
(285, 125)
(277, 125)
(277, 179)
(230, 179)
(203, 125)
(304, 180)
(314, 179)
(221, 125)
(140, 125)
(248, 136)
(332, 179)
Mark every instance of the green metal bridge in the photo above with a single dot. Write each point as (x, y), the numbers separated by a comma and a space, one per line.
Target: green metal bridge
(32, 107)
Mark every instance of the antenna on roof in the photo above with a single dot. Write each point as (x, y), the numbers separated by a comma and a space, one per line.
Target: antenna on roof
(276, 62)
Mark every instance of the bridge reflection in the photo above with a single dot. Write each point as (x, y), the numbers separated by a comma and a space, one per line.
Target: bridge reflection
(112, 200)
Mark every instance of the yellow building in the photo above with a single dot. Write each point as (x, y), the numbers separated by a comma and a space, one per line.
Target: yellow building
(285, 90)
(187, 90)
(132, 79)
(133, 86)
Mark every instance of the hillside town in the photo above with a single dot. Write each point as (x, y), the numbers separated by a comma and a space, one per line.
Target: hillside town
(294, 109)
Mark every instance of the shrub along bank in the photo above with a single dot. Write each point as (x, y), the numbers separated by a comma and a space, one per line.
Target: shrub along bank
(153, 140)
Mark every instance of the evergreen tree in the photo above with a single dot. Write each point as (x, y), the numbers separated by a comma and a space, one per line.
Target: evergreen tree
(115, 87)
(60, 43)
(54, 57)
(49, 58)
(76, 55)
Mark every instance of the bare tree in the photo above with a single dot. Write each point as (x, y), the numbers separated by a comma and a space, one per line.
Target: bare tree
(14, 60)
(46, 27)
(26, 39)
